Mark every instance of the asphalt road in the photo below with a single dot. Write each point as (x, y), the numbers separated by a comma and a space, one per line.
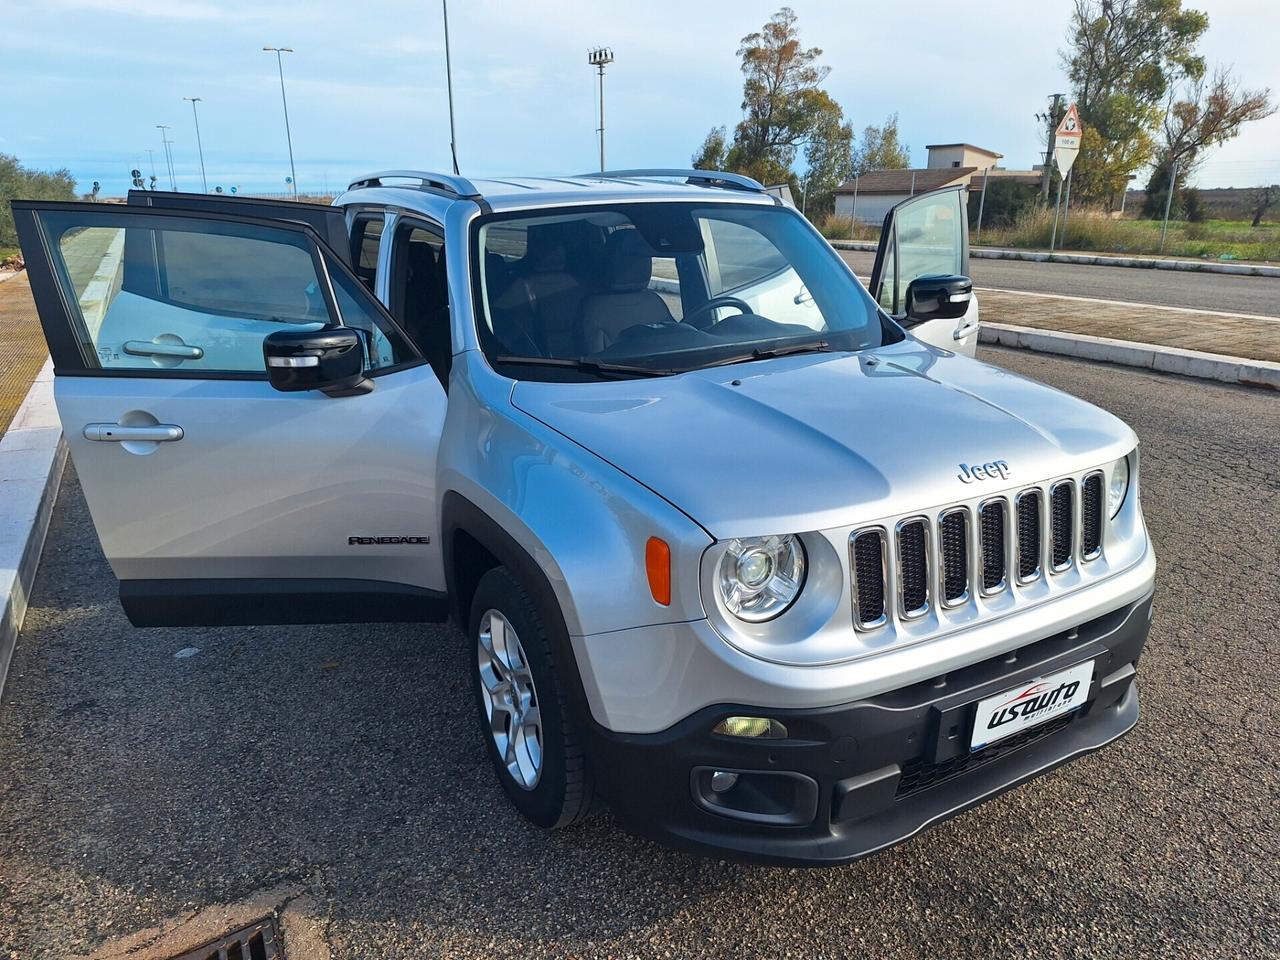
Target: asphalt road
(136, 785)
(1171, 288)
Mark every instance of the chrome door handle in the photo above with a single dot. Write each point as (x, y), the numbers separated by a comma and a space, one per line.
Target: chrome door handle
(150, 348)
(962, 332)
(120, 433)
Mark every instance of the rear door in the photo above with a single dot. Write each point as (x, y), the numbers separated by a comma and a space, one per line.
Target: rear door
(218, 499)
(926, 236)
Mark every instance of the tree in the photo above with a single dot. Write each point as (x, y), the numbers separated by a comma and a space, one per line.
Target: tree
(18, 182)
(711, 155)
(881, 149)
(784, 112)
(1263, 199)
(1124, 56)
(1203, 114)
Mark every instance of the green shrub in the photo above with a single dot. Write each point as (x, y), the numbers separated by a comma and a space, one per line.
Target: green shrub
(19, 183)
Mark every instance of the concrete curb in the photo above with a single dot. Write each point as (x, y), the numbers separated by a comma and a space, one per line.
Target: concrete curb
(32, 458)
(1187, 363)
(1098, 260)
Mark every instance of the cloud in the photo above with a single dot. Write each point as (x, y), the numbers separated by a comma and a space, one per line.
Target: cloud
(160, 9)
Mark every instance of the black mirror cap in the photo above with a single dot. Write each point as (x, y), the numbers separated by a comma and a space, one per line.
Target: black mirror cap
(331, 359)
(938, 298)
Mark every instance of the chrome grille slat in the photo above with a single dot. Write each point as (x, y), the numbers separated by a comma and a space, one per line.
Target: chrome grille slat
(868, 552)
(1091, 508)
(1029, 535)
(913, 567)
(953, 556)
(1062, 521)
(993, 521)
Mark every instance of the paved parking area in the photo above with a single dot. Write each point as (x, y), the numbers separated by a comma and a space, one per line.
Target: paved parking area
(135, 785)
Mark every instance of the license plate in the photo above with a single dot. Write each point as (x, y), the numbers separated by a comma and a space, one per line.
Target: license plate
(1030, 704)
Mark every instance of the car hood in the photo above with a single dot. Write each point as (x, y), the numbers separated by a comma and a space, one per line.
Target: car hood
(819, 440)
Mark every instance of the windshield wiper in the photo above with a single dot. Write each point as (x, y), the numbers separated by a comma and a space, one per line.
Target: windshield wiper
(603, 367)
(785, 350)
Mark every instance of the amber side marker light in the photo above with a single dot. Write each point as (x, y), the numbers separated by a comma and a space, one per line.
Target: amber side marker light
(657, 562)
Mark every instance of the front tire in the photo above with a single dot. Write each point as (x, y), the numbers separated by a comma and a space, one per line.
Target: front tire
(524, 719)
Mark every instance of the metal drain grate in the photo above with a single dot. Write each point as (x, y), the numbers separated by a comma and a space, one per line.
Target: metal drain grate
(257, 941)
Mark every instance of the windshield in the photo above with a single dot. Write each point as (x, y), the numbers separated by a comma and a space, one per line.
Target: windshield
(658, 288)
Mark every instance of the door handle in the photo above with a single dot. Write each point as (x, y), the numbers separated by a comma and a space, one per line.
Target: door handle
(152, 348)
(121, 433)
(962, 332)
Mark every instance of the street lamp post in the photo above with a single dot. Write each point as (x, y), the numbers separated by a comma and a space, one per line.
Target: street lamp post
(293, 173)
(448, 77)
(168, 155)
(204, 181)
(598, 58)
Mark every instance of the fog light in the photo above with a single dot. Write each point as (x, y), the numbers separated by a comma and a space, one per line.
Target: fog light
(761, 728)
(723, 781)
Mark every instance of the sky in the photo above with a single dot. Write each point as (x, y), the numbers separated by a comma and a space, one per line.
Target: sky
(86, 81)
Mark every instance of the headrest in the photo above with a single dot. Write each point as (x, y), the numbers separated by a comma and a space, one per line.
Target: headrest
(546, 249)
(630, 261)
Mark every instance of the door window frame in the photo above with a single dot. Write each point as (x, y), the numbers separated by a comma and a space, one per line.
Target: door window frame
(889, 239)
(71, 354)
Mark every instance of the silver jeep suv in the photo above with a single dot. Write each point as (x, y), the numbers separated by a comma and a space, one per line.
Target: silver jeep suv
(756, 556)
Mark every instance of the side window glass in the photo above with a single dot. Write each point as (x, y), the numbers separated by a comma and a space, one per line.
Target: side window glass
(366, 236)
(930, 237)
(739, 257)
(420, 293)
(386, 346)
(176, 293)
(665, 282)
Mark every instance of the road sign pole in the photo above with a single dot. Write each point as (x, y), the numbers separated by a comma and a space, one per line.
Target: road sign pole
(1066, 207)
(1056, 207)
(1168, 202)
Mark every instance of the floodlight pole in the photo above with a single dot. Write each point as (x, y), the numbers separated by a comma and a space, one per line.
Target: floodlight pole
(448, 76)
(1168, 202)
(204, 181)
(599, 58)
(293, 172)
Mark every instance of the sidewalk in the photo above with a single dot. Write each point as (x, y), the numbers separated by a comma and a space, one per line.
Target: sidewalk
(22, 347)
(1252, 338)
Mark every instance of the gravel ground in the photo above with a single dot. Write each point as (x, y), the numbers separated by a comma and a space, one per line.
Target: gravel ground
(135, 785)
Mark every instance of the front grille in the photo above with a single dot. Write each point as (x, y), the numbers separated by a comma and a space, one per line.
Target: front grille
(1091, 516)
(1029, 536)
(917, 775)
(868, 577)
(1062, 520)
(897, 568)
(953, 547)
(913, 567)
(992, 514)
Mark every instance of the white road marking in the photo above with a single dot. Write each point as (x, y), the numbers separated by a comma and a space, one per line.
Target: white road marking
(1131, 303)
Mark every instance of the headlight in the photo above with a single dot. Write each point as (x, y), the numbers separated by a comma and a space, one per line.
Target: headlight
(759, 577)
(1118, 486)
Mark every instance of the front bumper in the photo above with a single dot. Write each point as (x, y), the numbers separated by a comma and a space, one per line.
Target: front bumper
(853, 779)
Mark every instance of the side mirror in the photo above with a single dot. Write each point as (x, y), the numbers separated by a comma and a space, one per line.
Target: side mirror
(938, 298)
(330, 359)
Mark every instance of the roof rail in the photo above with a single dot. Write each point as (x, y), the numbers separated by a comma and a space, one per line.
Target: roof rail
(710, 178)
(446, 182)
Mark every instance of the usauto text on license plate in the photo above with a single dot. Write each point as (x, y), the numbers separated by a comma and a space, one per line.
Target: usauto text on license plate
(1029, 704)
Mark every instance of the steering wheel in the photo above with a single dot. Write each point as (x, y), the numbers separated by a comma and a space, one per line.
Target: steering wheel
(703, 317)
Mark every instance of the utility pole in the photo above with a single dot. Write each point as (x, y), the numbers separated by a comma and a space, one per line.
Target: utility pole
(1051, 121)
(599, 58)
(293, 172)
(151, 155)
(168, 154)
(853, 214)
(448, 76)
(199, 145)
(982, 202)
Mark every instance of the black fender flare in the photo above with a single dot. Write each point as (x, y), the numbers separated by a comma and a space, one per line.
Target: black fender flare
(458, 514)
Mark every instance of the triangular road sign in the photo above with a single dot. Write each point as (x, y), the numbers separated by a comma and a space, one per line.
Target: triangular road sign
(1066, 140)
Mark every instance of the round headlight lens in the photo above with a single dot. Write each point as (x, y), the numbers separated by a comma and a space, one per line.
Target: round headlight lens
(1118, 486)
(759, 577)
